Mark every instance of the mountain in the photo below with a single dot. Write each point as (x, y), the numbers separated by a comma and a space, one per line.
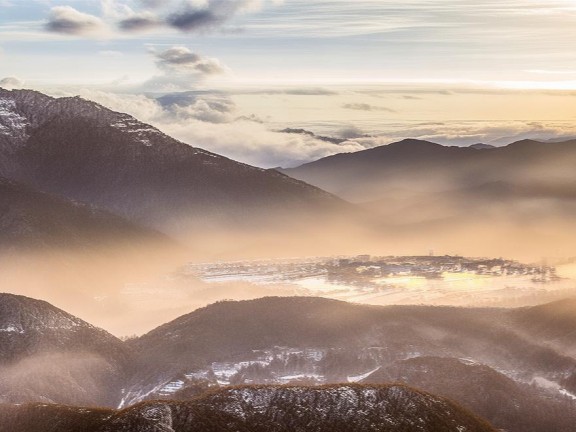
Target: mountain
(34, 219)
(507, 404)
(309, 344)
(283, 340)
(259, 409)
(84, 152)
(426, 167)
(482, 146)
(553, 323)
(49, 355)
(516, 200)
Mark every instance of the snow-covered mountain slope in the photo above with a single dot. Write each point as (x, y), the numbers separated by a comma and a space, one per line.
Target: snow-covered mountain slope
(48, 355)
(266, 340)
(508, 404)
(271, 409)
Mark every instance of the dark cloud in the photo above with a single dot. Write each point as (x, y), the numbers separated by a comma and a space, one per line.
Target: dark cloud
(181, 70)
(191, 21)
(67, 20)
(182, 60)
(213, 14)
(192, 17)
(140, 22)
(366, 107)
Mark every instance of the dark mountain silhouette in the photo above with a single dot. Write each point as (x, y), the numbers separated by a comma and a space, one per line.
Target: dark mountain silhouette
(423, 166)
(49, 355)
(82, 151)
(482, 146)
(264, 409)
(35, 219)
(507, 404)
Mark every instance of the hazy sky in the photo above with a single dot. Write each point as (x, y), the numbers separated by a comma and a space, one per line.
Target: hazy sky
(453, 70)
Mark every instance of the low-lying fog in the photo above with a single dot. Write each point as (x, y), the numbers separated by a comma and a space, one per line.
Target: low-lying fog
(128, 290)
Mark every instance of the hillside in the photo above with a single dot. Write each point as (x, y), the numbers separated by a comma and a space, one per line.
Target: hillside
(425, 167)
(517, 383)
(49, 355)
(507, 404)
(35, 219)
(516, 200)
(270, 409)
(82, 151)
(262, 341)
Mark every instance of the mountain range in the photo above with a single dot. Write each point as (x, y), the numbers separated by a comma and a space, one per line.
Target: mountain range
(259, 409)
(80, 151)
(412, 193)
(517, 200)
(486, 360)
(526, 168)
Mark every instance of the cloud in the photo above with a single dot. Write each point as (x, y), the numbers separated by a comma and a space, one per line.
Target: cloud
(139, 22)
(154, 3)
(10, 83)
(193, 118)
(211, 108)
(189, 16)
(351, 132)
(67, 20)
(180, 59)
(212, 120)
(182, 69)
(366, 107)
(212, 14)
(110, 53)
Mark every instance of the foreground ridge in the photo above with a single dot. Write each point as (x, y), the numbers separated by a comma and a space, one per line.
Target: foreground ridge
(263, 408)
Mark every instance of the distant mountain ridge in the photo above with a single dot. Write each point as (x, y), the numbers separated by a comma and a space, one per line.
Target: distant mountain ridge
(426, 166)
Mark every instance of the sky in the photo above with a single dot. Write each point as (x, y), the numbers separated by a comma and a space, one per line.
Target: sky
(369, 71)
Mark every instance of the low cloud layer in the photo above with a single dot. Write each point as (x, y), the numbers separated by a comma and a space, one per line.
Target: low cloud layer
(11, 83)
(366, 107)
(214, 121)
